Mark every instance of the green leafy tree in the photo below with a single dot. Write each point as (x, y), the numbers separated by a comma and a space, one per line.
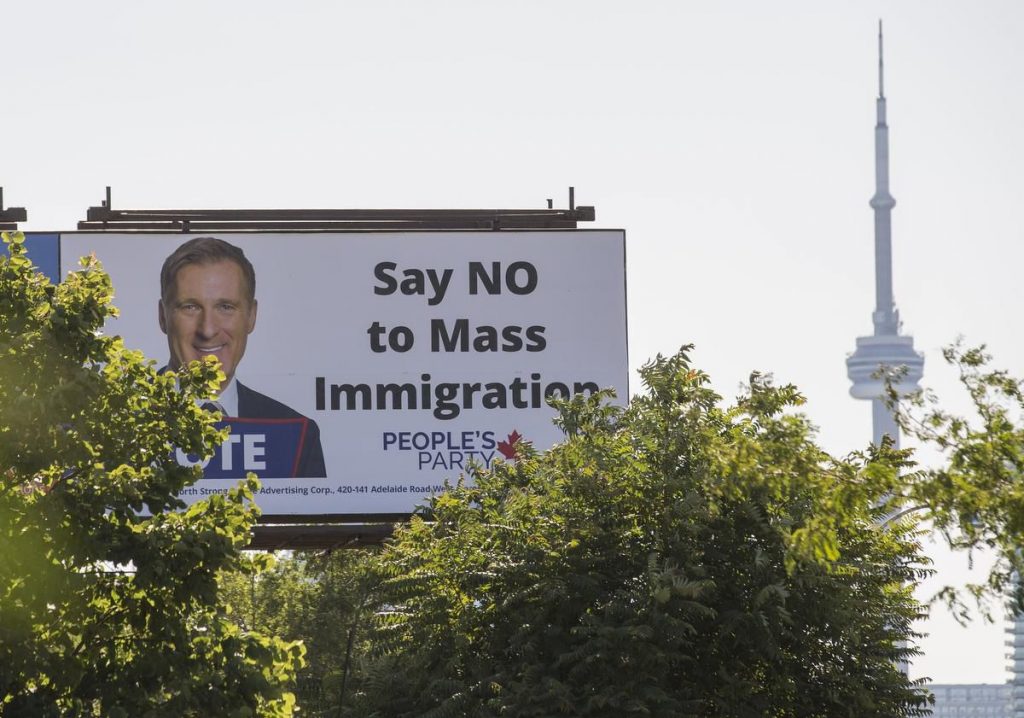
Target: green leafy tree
(323, 599)
(674, 558)
(109, 602)
(974, 497)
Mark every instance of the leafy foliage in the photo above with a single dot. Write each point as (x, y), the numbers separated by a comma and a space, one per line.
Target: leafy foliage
(322, 599)
(675, 558)
(975, 497)
(109, 603)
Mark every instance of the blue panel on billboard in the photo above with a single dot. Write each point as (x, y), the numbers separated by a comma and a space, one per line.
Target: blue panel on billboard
(44, 251)
(265, 447)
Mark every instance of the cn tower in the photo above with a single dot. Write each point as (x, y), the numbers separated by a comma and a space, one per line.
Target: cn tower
(886, 350)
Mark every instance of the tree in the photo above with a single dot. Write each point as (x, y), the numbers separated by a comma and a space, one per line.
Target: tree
(109, 603)
(323, 599)
(674, 558)
(975, 496)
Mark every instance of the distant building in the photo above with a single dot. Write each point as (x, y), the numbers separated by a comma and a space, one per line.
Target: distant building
(1015, 642)
(972, 700)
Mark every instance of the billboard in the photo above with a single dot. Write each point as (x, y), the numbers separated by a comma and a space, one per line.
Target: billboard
(370, 367)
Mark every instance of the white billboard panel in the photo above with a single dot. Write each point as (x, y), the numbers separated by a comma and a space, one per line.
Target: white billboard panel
(372, 366)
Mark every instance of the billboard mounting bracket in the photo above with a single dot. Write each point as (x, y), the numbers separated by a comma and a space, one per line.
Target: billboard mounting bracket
(10, 216)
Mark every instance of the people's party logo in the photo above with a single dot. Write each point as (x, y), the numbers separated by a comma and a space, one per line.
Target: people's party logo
(454, 450)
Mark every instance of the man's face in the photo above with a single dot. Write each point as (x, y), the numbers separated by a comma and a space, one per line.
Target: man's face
(208, 314)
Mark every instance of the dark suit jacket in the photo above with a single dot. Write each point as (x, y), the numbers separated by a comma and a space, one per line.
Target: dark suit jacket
(253, 405)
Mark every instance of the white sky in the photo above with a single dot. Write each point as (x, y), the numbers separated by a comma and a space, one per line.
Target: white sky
(732, 141)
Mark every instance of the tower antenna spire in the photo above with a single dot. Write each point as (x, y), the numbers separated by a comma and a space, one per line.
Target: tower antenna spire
(881, 66)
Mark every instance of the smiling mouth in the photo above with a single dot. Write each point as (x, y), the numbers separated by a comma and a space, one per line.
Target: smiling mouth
(209, 350)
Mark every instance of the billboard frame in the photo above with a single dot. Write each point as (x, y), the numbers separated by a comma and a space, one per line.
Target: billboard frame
(342, 530)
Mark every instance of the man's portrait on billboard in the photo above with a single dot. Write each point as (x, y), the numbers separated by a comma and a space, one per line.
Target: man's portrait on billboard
(208, 307)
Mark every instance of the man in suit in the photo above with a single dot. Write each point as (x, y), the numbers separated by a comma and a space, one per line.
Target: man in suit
(208, 308)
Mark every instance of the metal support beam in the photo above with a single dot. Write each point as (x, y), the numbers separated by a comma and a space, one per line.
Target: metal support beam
(106, 218)
(323, 536)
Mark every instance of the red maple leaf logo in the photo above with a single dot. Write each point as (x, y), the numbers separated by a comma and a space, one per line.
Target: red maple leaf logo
(510, 448)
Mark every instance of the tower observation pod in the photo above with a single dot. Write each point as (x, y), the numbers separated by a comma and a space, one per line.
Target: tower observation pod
(886, 351)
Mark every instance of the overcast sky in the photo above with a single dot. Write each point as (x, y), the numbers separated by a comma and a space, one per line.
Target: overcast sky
(731, 140)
